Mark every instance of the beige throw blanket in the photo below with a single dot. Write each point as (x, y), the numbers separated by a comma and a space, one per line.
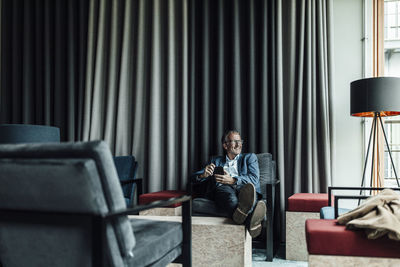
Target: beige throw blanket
(378, 215)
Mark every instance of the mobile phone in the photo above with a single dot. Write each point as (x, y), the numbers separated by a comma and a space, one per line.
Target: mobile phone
(219, 170)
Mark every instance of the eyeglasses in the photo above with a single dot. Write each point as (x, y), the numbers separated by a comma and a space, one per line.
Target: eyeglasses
(236, 142)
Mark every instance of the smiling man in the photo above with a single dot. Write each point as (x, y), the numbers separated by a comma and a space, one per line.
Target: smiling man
(238, 189)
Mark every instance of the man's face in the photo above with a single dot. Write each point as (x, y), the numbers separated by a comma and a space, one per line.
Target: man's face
(233, 145)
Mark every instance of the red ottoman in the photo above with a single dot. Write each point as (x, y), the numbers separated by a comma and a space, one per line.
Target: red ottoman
(301, 206)
(173, 210)
(329, 243)
(307, 202)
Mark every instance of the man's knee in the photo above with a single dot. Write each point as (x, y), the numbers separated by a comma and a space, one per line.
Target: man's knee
(231, 204)
(226, 198)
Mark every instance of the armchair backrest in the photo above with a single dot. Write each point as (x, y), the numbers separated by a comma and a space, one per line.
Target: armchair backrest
(60, 177)
(127, 168)
(27, 133)
(267, 171)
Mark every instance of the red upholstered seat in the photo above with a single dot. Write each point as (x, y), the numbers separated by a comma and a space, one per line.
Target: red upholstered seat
(325, 237)
(307, 202)
(161, 195)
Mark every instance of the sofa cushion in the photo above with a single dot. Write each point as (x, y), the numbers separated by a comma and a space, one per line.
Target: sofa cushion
(155, 239)
(326, 237)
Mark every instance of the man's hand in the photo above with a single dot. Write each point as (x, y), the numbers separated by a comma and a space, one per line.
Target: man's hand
(224, 179)
(208, 171)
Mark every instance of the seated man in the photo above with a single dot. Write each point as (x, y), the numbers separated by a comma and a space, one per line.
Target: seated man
(238, 189)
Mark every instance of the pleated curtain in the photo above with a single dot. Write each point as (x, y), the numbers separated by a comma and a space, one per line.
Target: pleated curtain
(43, 59)
(162, 80)
(307, 87)
(158, 79)
(166, 78)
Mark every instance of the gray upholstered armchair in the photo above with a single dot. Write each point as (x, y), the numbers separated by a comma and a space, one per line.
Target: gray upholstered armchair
(62, 205)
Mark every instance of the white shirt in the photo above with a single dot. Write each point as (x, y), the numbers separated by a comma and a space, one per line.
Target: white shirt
(231, 166)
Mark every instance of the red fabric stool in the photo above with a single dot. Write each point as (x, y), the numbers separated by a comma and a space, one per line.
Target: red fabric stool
(328, 242)
(161, 195)
(325, 237)
(172, 210)
(301, 206)
(307, 202)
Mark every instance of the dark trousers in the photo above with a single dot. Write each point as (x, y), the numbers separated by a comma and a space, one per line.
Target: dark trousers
(226, 198)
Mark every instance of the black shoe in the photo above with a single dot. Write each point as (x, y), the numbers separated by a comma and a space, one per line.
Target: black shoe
(247, 197)
(256, 218)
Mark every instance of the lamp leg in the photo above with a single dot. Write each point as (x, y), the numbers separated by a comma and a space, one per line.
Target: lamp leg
(373, 150)
(366, 158)
(390, 153)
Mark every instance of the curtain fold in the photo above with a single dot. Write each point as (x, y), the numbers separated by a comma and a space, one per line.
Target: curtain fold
(43, 47)
(308, 84)
(157, 79)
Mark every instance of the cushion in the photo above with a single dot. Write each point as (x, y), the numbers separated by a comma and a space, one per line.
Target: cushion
(325, 237)
(329, 212)
(161, 195)
(154, 239)
(307, 202)
(206, 207)
(86, 169)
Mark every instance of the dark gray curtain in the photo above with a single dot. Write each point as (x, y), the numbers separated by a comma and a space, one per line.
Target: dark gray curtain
(162, 80)
(43, 55)
(308, 83)
(158, 79)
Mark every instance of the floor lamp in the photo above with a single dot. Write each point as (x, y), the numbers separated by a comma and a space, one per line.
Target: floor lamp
(375, 97)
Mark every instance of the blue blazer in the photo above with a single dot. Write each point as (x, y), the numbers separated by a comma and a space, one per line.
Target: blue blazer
(248, 170)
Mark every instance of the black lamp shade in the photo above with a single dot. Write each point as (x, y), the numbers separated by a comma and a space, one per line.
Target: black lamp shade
(381, 94)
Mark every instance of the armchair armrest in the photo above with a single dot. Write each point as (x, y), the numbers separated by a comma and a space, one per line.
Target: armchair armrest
(270, 189)
(186, 256)
(337, 198)
(155, 204)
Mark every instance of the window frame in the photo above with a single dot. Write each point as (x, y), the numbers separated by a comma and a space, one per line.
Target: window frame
(378, 69)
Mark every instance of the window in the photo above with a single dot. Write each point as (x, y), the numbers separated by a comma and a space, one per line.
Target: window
(392, 129)
(391, 21)
(391, 67)
(392, 38)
